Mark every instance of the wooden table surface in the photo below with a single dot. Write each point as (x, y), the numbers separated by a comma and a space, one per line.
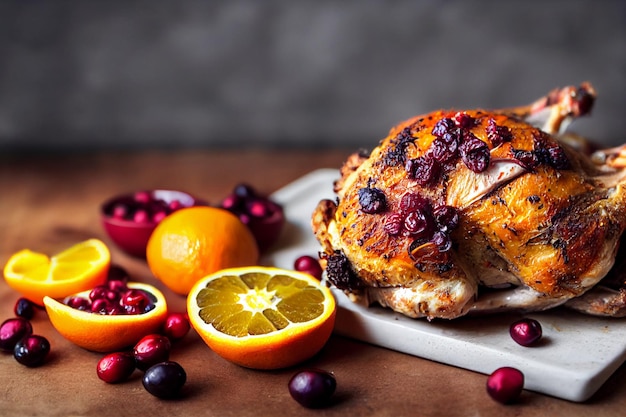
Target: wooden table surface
(48, 203)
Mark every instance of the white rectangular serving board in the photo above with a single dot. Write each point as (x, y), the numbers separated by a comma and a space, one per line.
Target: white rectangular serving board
(577, 354)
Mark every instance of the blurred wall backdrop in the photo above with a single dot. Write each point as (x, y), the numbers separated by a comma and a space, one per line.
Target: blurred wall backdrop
(83, 75)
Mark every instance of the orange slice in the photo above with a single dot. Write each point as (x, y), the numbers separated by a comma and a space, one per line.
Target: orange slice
(106, 333)
(77, 268)
(262, 317)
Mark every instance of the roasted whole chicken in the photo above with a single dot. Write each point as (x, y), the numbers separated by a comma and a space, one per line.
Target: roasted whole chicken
(475, 211)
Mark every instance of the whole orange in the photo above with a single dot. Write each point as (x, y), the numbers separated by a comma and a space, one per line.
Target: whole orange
(194, 242)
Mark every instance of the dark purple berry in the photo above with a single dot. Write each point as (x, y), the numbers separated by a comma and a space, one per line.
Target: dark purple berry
(527, 159)
(526, 332)
(312, 388)
(340, 273)
(372, 200)
(425, 170)
(442, 126)
(558, 158)
(31, 350)
(115, 367)
(24, 308)
(497, 134)
(12, 331)
(445, 148)
(474, 153)
(505, 384)
(164, 380)
(446, 217)
(442, 240)
(244, 191)
(151, 349)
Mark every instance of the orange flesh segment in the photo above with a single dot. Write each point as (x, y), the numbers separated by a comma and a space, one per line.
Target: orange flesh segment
(258, 303)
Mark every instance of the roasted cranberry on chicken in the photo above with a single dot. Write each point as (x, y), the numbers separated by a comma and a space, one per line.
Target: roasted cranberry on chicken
(476, 211)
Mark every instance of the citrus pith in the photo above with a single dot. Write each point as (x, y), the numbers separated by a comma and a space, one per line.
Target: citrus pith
(80, 267)
(262, 317)
(194, 242)
(106, 333)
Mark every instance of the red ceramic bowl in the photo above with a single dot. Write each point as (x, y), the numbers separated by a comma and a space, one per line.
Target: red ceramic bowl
(129, 219)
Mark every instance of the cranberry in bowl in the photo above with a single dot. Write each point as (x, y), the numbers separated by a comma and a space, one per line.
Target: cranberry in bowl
(129, 219)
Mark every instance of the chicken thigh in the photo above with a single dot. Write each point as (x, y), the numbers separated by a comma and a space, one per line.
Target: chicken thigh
(478, 211)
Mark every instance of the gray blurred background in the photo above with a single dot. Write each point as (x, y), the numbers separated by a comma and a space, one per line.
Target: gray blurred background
(91, 75)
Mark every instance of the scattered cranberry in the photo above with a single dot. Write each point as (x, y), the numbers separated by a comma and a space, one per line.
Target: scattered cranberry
(526, 331)
(152, 349)
(312, 388)
(505, 384)
(164, 380)
(176, 326)
(12, 331)
(31, 350)
(115, 367)
(310, 265)
(24, 308)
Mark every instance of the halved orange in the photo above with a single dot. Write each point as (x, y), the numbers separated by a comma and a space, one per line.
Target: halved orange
(106, 333)
(262, 317)
(77, 268)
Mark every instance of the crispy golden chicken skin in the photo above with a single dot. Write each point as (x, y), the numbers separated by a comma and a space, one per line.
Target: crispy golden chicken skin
(455, 202)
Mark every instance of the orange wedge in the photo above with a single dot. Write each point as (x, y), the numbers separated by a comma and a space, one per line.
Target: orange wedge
(106, 333)
(77, 268)
(262, 317)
